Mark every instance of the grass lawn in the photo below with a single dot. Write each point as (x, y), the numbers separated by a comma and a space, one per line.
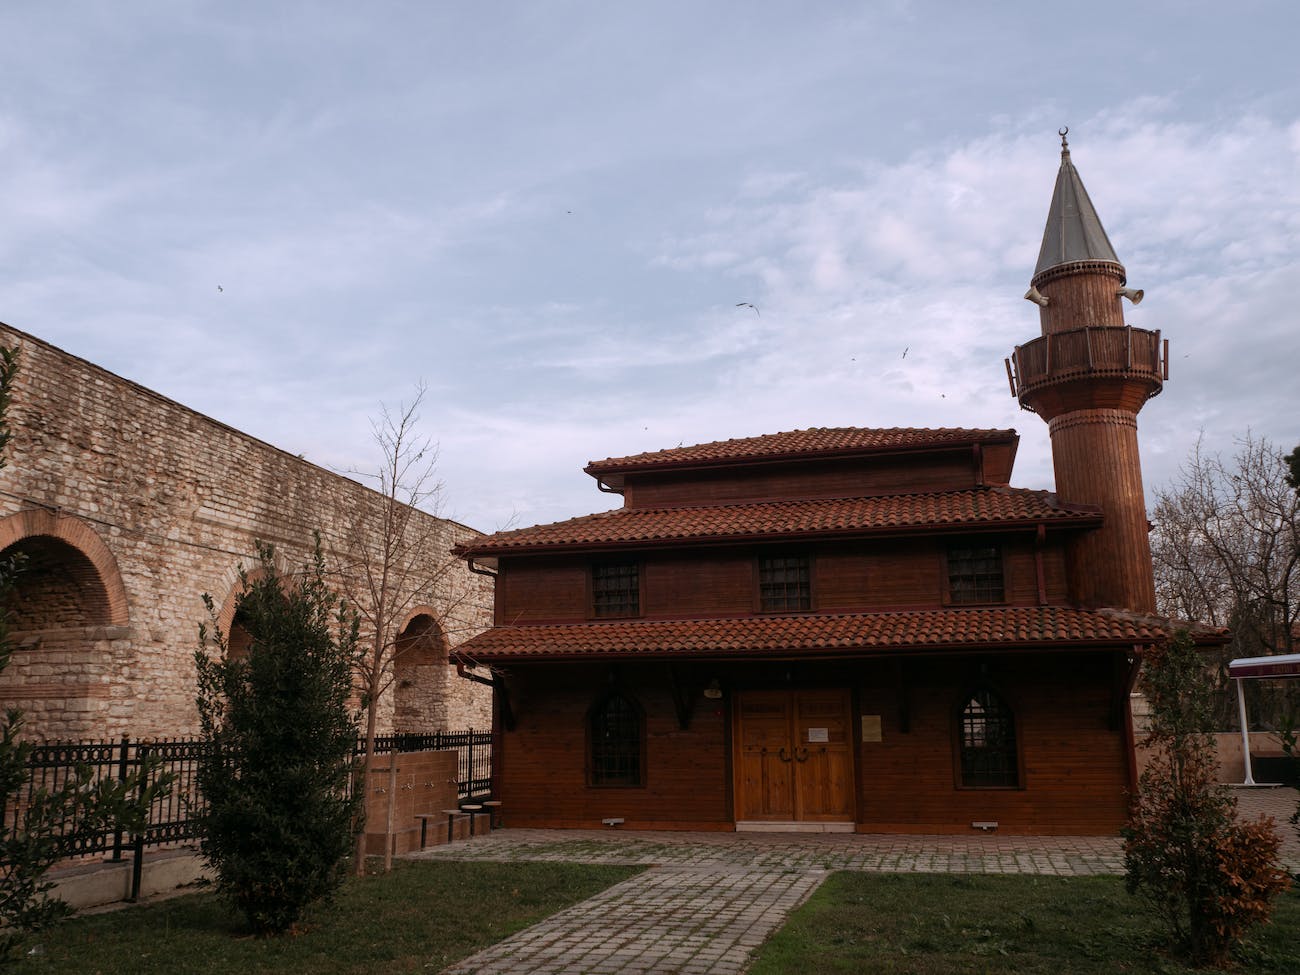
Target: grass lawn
(946, 923)
(420, 918)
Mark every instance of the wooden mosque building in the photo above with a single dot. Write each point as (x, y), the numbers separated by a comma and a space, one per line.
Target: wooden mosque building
(849, 629)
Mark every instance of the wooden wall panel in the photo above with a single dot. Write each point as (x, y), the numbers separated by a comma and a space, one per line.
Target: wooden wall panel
(911, 474)
(1074, 766)
(907, 573)
(1074, 776)
(541, 589)
(545, 775)
(698, 586)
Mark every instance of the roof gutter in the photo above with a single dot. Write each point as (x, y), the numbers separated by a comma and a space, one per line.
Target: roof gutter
(478, 570)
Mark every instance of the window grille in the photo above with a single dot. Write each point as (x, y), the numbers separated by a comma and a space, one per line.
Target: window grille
(783, 584)
(975, 574)
(615, 590)
(615, 742)
(988, 742)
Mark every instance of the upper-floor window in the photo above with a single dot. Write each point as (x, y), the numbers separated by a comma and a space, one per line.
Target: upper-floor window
(986, 742)
(784, 584)
(615, 589)
(975, 574)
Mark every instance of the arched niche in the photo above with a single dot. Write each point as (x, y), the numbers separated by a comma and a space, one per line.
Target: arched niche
(69, 625)
(420, 674)
(69, 578)
(238, 639)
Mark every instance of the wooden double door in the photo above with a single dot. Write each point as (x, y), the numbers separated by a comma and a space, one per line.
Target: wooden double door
(794, 756)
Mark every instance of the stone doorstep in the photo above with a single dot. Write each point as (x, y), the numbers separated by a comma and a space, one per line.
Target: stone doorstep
(762, 826)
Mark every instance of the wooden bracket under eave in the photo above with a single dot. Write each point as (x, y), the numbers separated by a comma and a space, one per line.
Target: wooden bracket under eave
(682, 700)
(904, 704)
(1040, 573)
(1124, 676)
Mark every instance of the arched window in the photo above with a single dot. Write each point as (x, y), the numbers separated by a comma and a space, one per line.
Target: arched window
(986, 742)
(615, 738)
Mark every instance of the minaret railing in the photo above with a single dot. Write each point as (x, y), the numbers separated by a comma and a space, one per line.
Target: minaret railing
(1120, 352)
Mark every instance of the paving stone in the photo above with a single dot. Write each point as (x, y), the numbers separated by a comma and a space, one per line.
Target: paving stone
(710, 899)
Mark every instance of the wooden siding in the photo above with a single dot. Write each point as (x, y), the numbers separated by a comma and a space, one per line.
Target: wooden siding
(846, 577)
(544, 759)
(1074, 765)
(1095, 453)
(949, 470)
(539, 589)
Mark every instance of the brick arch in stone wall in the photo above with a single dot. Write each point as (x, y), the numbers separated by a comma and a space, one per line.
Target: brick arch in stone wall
(420, 672)
(71, 579)
(69, 623)
(238, 639)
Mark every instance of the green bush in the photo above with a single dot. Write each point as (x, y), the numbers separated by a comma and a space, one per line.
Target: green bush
(278, 820)
(1209, 877)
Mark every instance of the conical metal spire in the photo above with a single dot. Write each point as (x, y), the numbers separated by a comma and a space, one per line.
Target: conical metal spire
(1074, 231)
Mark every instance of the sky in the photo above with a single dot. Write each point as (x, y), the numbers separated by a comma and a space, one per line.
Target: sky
(591, 229)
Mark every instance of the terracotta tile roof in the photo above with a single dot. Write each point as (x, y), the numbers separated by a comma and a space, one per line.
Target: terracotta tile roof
(756, 520)
(816, 441)
(960, 629)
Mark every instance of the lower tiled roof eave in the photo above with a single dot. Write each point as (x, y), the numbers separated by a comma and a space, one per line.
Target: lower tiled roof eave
(813, 636)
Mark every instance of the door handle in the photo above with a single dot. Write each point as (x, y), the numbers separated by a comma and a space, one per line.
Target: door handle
(782, 756)
(803, 757)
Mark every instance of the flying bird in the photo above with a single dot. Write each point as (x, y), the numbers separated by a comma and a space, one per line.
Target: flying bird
(220, 288)
(905, 352)
(746, 304)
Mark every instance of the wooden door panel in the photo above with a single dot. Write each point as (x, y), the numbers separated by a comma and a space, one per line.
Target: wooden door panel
(766, 788)
(765, 785)
(825, 784)
(794, 756)
(824, 776)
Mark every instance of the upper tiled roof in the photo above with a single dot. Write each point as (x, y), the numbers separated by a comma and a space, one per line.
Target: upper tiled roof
(816, 441)
(958, 629)
(986, 507)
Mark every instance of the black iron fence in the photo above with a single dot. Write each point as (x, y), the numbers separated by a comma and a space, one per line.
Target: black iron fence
(170, 818)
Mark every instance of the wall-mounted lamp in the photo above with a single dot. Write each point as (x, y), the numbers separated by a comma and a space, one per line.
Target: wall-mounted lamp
(714, 691)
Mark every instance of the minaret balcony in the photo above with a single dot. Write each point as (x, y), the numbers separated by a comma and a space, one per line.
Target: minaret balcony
(1111, 367)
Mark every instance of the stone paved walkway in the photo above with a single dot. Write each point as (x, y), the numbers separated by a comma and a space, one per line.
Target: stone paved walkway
(710, 899)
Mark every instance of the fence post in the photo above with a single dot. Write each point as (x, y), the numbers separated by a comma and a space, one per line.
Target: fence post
(121, 777)
(469, 786)
(137, 841)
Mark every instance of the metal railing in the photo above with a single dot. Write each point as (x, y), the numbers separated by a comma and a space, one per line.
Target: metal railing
(171, 817)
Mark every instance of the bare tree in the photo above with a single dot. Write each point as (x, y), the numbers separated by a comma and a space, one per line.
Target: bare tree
(1226, 547)
(397, 559)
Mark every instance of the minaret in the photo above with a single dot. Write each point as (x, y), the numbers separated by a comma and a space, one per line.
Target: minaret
(1088, 375)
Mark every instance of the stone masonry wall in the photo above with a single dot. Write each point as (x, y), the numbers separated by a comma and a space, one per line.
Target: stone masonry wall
(132, 506)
